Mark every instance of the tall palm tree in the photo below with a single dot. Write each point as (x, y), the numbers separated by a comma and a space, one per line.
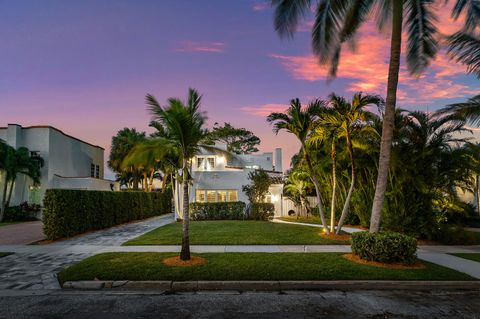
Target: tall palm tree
(300, 122)
(296, 187)
(182, 126)
(337, 22)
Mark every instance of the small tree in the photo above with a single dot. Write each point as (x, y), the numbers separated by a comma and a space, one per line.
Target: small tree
(238, 140)
(258, 189)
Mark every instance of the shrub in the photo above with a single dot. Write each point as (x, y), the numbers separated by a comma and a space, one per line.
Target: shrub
(23, 212)
(456, 235)
(386, 247)
(217, 211)
(262, 211)
(72, 212)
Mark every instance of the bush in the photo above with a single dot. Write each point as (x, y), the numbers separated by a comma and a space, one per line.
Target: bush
(72, 212)
(456, 235)
(386, 247)
(217, 211)
(23, 212)
(262, 211)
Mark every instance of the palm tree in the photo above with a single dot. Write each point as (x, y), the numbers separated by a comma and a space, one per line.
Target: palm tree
(17, 162)
(300, 122)
(296, 187)
(337, 22)
(182, 126)
(468, 111)
(122, 144)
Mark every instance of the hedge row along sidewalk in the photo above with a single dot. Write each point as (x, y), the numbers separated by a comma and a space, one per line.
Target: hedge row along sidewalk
(72, 212)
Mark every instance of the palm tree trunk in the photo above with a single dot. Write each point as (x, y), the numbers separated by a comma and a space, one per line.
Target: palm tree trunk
(388, 120)
(346, 206)
(477, 189)
(164, 182)
(150, 181)
(10, 191)
(4, 199)
(317, 188)
(185, 253)
(334, 187)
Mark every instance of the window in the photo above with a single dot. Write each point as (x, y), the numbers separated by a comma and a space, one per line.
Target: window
(200, 162)
(34, 195)
(97, 171)
(213, 196)
(205, 163)
(232, 196)
(200, 195)
(92, 170)
(221, 196)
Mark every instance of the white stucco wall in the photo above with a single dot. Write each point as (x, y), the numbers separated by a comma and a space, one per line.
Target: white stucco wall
(63, 156)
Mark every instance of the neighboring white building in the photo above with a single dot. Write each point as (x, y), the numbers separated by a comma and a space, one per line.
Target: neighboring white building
(70, 163)
(218, 177)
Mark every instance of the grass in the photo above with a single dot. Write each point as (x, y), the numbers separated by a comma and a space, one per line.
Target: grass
(471, 256)
(301, 219)
(245, 266)
(2, 254)
(236, 233)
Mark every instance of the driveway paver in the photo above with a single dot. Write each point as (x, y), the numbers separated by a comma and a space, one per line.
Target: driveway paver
(36, 266)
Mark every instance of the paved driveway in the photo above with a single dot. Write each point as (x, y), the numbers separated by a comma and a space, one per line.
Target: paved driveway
(36, 266)
(21, 233)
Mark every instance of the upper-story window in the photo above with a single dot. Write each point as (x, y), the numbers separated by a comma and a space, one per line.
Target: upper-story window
(97, 171)
(92, 170)
(206, 163)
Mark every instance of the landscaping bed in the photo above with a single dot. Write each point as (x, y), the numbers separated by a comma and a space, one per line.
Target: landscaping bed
(469, 256)
(246, 266)
(237, 233)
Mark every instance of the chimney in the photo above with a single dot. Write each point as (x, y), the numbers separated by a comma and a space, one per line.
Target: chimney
(278, 160)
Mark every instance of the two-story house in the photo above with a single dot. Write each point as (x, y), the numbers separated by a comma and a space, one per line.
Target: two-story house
(69, 162)
(219, 177)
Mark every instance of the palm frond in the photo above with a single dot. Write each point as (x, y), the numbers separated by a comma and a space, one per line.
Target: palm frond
(422, 43)
(464, 47)
(287, 15)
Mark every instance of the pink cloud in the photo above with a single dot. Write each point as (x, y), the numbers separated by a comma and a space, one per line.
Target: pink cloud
(202, 47)
(264, 110)
(260, 6)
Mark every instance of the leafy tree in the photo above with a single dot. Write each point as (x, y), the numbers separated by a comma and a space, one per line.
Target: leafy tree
(122, 144)
(182, 126)
(300, 122)
(337, 22)
(238, 140)
(297, 186)
(258, 189)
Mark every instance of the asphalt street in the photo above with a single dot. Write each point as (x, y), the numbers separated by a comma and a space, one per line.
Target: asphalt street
(295, 304)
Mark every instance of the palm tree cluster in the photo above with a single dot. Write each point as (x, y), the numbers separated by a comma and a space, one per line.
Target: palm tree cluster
(432, 161)
(337, 22)
(14, 162)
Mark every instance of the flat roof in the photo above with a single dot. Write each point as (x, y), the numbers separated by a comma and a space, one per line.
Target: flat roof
(56, 129)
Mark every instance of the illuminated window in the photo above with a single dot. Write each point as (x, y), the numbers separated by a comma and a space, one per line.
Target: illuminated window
(200, 196)
(232, 196)
(211, 196)
(222, 196)
(206, 163)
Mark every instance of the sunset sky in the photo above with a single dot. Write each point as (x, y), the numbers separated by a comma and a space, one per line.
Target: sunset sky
(86, 66)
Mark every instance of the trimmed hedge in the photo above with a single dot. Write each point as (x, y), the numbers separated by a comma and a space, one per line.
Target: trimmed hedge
(262, 211)
(386, 247)
(71, 212)
(217, 211)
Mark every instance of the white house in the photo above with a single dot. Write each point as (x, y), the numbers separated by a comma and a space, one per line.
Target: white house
(218, 177)
(70, 163)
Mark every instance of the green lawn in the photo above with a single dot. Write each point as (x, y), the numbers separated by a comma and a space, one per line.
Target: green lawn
(2, 254)
(235, 233)
(300, 219)
(245, 266)
(472, 256)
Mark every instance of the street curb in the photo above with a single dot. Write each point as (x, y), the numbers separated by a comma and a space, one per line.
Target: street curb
(343, 285)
